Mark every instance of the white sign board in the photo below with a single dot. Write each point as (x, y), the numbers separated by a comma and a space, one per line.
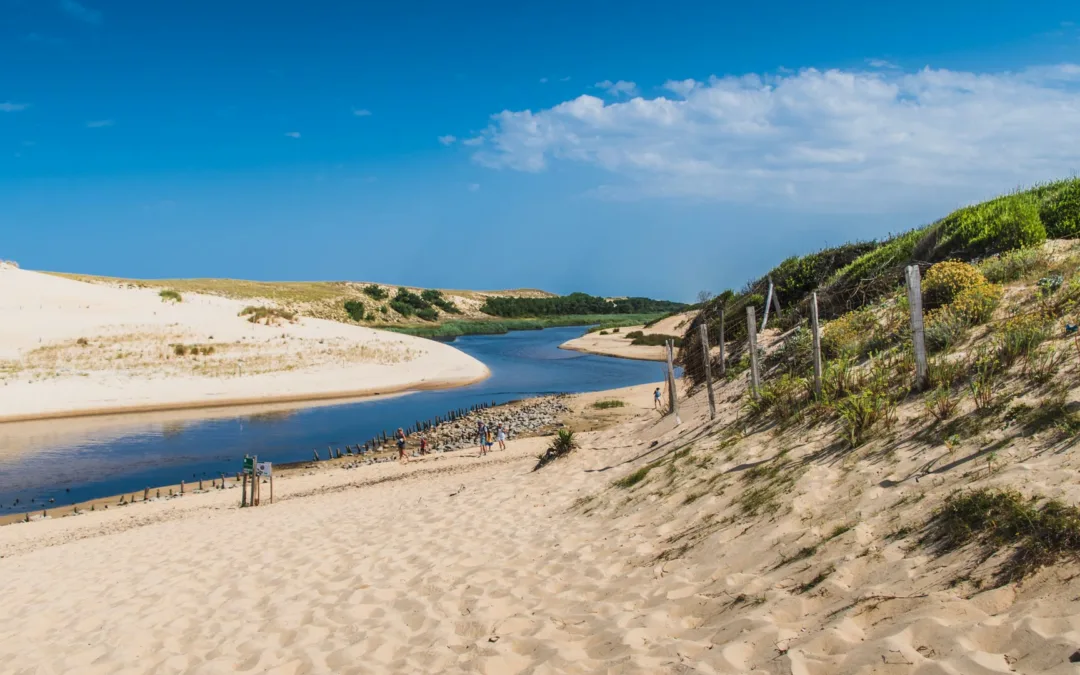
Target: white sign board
(263, 469)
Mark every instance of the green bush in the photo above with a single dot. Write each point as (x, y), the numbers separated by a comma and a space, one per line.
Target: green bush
(945, 280)
(428, 314)
(975, 305)
(402, 308)
(170, 296)
(575, 303)
(1059, 209)
(656, 339)
(635, 334)
(436, 298)
(611, 403)
(1001, 224)
(943, 329)
(1014, 265)
(850, 334)
(355, 309)
(1020, 335)
(376, 292)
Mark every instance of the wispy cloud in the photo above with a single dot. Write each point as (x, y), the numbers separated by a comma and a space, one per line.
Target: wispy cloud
(474, 187)
(543, 80)
(856, 139)
(361, 112)
(81, 12)
(564, 79)
(447, 139)
(292, 134)
(620, 88)
(880, 63)
(10, 107)
(98, 124)
(474, 141)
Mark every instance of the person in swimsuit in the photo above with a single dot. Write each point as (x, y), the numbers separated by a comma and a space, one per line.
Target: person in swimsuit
(500, 436)
(656, 398)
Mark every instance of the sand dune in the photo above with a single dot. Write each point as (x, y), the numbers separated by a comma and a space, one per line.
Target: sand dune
(68, 347)
(617, 344)
(456, 564)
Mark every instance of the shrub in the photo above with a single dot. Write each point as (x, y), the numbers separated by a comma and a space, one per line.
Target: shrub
(1014, 265)
(941, 404)
(82, 342)
(355, 309)
(860, 413)
(943, 329)
(563, 444)
(1020, 335)
(384, 309)
(267, 315)
(180, 350)
(611, 403)
(1059, 209)
(603, 332)
(1043, 363)
(402, 308)
(630, 480)
(170, 296)
(1001, 224)
(635, 334)
(850, 334)
(435, 297)
(375, 292)
(783, 396)
(655, 339)
(946, 372)
(428, 314)
(976, 305)
(946, 280)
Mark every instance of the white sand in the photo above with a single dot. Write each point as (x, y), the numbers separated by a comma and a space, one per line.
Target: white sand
(617, 344)
(127, 362)
(463, 565)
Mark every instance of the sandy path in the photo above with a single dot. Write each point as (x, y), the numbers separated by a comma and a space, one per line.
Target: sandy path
(73, 348)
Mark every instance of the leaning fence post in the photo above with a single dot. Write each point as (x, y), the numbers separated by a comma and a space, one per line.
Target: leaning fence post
(751, 330)
(816, 335)
(768, 301)
(723, 361)
(672, 396)
(708, 368)
(918, 339)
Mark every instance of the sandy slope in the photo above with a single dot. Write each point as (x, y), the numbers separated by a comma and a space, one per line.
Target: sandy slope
(68, 347)
(617, 344)
(457, 564)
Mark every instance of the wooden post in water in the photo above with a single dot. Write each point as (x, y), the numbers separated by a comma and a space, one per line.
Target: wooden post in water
(918, 338)
(723, 360)
(751, 330)
(816, 340)
(708, 368)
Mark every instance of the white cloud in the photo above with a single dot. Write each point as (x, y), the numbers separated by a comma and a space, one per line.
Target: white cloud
(80, 12)
(448, 139)
(851, 139)
(474, 187)
(564, 79)
(292, 134)
(680, 87)
(543, 80)
(9, 107)
(98, 124)
(361, 112)
(474, 141)
(880, 63)
(620, 88)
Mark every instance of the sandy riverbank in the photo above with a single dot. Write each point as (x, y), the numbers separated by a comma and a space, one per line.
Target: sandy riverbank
(69, 348)
(617, 344)
(721, 546)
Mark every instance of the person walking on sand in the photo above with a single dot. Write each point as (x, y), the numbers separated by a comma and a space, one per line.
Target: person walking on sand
(500, 436)
(423, 445)
(490, 440)
(400, 436)
(482, 434)
(656, 399)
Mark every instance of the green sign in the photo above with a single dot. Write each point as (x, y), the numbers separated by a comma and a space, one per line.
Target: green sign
(249, 465)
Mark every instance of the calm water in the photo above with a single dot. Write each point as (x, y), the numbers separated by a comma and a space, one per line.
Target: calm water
(91, 459)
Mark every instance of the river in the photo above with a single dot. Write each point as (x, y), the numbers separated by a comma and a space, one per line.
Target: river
(88, 458)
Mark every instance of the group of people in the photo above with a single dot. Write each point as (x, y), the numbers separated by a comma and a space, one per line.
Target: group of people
(487, 440)
(486, 437)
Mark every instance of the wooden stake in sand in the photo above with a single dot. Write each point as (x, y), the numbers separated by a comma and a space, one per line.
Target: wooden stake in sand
(708, 368)
(918, 339)
(723, 361)
(768, 301)
(816, 340)
(751, 331)
(672, 395)
(243, 493)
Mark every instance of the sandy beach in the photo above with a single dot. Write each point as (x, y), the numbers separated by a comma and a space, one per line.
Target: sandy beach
(71, 348)
(617, 344)
(636, 554)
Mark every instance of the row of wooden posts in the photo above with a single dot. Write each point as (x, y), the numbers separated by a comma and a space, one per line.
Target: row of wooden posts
(913, 280)
(420, 426)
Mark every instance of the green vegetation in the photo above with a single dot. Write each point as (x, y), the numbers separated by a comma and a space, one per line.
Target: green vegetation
(631, 479)
(575, 303)
(563, 445)
(654, 339)
(996, 519)
(267, 315)
(436, 298)
(449, 330)
(169, 295)
(375, 292)
(612, 403)
(357, 311)
(193, 350)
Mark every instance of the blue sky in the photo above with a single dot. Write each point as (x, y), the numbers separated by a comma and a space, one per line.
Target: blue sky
(617, 148)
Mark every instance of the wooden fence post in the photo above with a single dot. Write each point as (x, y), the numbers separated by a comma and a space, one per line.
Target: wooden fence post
(816, 342)
(243, 493)
(918, 338)
(723, 361)
(751, 330)
(768, 302)
(673, 398)
(708, 368)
